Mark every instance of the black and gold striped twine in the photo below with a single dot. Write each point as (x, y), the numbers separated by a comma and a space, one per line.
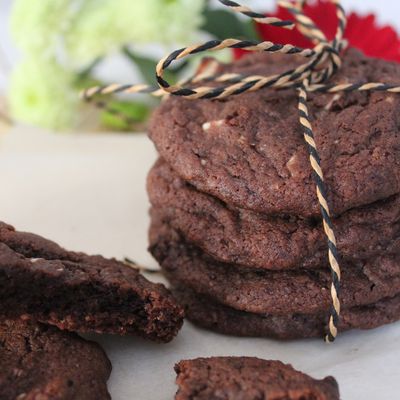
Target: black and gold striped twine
(321, 64)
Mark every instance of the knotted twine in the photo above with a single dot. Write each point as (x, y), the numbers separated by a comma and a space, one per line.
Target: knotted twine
(321, 63)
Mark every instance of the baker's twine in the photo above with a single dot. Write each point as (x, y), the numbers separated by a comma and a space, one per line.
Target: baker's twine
(321, 63)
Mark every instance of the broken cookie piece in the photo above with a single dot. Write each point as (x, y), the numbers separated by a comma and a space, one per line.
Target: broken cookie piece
(248, 378)
(40, 362)
(40, 280)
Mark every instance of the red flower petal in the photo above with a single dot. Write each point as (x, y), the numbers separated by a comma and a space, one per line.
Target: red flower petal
(374, 41)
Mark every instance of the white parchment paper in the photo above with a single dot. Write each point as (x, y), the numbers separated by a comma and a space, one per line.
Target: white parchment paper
(88, 193)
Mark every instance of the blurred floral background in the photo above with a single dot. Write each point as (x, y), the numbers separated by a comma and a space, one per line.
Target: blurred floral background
(66, 45)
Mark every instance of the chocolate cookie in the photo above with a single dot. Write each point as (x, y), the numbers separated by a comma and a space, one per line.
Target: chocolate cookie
(81, 293)
(273, 292)
(248, 378)
(248, 149)
(216, 317)
(42, 362)
(252, 239)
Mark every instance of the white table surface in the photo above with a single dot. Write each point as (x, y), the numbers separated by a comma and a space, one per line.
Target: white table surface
(87, 192)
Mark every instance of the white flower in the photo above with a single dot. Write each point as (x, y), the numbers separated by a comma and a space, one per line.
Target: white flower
(41, 93)
(103, 26)
(166, 21)
(94, 31)
(36, 25)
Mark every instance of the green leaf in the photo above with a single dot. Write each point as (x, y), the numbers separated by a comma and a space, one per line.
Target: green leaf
(249, 31)
(147, 68)
(121, 115)
(225, 24)
(86, 82)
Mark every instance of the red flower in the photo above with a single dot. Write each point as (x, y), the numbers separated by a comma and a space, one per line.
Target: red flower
(361, 32)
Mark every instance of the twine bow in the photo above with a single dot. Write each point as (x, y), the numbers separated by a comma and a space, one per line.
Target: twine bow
(313, 76)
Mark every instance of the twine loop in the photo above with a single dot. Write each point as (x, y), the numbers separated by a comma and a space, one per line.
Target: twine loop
(322, 62)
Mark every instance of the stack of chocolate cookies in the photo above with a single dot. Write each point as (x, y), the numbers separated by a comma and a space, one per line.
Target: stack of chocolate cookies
(235, 221)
